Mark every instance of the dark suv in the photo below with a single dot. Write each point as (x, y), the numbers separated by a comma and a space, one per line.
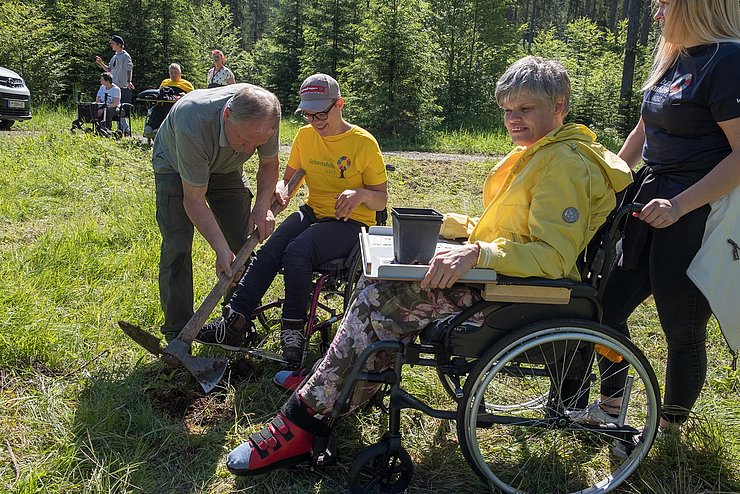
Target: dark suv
(15, 99)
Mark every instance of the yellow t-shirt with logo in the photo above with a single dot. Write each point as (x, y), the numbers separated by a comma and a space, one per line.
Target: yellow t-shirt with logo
(333, 164)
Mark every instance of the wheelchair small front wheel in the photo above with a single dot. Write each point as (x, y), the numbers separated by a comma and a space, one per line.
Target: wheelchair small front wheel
(378, 469)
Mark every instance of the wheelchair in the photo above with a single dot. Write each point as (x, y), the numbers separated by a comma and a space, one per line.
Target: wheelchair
(87, 113)
(333, 285)
(159, 103)
(515, 382)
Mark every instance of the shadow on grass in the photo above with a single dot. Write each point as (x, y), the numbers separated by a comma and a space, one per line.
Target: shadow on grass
(154, 430)
(698, 460)
(442, 467)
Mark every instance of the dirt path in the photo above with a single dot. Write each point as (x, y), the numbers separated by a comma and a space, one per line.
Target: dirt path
(409, 155)
(424, 156)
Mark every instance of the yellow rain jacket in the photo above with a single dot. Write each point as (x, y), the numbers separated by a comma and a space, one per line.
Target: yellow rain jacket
(543, 204)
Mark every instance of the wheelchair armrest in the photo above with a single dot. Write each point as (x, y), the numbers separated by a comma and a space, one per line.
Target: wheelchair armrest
(536, 281)
(535, 290)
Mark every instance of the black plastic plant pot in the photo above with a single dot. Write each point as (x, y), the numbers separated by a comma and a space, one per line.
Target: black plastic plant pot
(415, 234)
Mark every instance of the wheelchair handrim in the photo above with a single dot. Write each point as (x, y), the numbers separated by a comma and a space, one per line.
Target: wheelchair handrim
(550, 335)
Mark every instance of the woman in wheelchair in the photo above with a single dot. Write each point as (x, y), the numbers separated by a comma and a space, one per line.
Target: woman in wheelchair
(543, 203)
(170, 90)
(109, 99)
(347, 184)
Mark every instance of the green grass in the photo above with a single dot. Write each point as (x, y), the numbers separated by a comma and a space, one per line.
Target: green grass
(84, 410)
(461, 140)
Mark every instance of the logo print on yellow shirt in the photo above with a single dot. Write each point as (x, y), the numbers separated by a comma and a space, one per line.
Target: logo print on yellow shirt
(343, 163)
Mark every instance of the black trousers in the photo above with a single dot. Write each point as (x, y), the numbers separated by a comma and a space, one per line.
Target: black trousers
(298, 245)
(230, 199)
(683, 311)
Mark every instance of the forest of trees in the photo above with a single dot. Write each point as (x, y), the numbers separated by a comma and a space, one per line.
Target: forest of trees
(405, 66)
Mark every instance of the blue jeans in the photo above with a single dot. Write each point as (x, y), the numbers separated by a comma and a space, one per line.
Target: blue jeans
(683, 311)
(298, 245)
(229, 199)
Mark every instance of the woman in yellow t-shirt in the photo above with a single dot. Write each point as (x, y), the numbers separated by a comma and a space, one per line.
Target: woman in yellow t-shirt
(347, 184)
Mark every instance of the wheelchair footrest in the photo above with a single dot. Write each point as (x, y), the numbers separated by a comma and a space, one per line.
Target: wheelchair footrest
(265, 355)
(324, 451)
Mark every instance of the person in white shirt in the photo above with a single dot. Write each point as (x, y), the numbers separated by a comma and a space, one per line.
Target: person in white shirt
(110, 95)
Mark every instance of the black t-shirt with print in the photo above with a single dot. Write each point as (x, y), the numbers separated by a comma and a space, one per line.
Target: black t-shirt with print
(681, 112)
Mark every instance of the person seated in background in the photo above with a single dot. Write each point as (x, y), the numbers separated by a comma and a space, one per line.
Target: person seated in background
(543, 203)
(175, 80)
(170, 91)
(347, 183)
(109, 96)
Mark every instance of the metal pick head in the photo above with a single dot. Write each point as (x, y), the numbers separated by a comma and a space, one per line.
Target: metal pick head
(208, 371)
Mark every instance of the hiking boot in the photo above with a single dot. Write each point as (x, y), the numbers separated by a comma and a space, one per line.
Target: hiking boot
(292, 340)
(595, 414)
(290, 380)
(228, 331)
(282, 443)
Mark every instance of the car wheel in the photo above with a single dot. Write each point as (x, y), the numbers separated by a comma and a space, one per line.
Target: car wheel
(6, 124)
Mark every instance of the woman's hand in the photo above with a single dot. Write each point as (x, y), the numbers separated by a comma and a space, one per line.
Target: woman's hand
(447, 266)
(281, 193)
(346, 202)
(660, 213)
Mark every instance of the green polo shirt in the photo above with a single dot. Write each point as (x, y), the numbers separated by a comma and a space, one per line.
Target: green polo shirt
(191, 140)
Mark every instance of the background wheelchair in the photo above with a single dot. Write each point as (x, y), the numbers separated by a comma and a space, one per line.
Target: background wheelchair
(88, 120)
(515, 382)
(159, 103)
(331, 293)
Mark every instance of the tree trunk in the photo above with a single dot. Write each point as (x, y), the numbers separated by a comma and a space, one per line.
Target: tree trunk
(335, 39)
(647, 18)
(626, 118)
(532, 24)
(613, 16)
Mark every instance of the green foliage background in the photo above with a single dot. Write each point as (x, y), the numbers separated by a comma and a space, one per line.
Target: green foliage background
(406, 66)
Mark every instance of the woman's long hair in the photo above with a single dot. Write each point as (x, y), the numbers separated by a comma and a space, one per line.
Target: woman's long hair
(705, 21)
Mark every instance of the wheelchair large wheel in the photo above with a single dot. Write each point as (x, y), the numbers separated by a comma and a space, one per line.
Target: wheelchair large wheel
(378, 469)
(519, 443)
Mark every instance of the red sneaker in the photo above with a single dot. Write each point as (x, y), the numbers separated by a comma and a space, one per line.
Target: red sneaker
(281, 443)
(289, 380)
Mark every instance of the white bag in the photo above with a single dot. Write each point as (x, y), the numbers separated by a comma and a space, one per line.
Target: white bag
(716, 267)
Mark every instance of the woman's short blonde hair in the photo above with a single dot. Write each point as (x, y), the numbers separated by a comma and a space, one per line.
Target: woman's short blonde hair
(544, 79)
(696, 21)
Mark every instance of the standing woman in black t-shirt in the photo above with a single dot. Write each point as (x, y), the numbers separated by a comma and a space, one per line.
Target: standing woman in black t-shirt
(689, 139)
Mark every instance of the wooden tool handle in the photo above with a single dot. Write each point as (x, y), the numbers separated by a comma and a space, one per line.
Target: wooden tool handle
(191, 329)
